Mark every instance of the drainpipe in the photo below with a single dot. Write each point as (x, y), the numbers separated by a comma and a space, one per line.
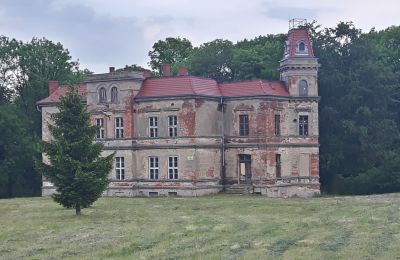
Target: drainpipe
(222, 141)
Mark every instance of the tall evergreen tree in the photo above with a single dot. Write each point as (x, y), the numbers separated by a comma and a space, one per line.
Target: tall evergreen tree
(76, 167)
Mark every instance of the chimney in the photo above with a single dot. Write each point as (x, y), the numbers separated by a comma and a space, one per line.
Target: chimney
(183, 71)
(166, 70)
(146, 73)
(53, 86)
(112, 69)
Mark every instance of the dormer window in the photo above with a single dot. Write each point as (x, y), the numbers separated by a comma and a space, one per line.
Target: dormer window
(102, 95)
(301, 47)
(303, 88)
(114, 95)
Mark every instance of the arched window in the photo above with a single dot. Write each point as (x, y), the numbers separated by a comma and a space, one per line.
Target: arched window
(301, 47)
(114, 94)
(102, 95)
(303, 88)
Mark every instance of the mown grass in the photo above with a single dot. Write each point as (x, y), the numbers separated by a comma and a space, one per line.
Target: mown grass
(214, 227)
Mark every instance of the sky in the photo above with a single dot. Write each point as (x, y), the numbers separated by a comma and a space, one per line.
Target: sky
(105, 33)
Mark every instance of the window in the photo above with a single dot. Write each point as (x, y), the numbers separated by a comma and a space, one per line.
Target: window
(119, 168)
(172, 126)
(119, 127)
(173, 167)
(153, 126)
(301, 47)
(243, 125)
(153, 168)
(102, 95)
(100, 124)
(277, 124)
(114, 94)
(278, 166)
(303, 88)
(303, 125)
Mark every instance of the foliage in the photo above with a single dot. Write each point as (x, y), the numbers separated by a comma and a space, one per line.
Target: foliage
(76, 167)
(359, 111)
(17, 147)
(169, 51)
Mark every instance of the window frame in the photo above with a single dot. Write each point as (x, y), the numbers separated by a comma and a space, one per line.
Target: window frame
(120, 168)
(303, 93)
(173, 171)
(278, 166)
(153, 126)
(244, 127)
(298, 44)
(173, 128)
(101, 133)
(155, 175)
(304, 125)
(102, 95)
(114, 94)
(277, 124)
(119, 127)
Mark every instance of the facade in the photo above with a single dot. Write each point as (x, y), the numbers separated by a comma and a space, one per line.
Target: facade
(189, 136)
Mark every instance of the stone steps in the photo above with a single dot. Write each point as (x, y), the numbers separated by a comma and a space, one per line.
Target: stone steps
(238, 189)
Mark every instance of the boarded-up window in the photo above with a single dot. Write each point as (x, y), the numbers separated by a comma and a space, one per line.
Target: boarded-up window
(304, 164)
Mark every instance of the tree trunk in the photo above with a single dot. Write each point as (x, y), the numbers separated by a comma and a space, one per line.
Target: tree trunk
(77, 210)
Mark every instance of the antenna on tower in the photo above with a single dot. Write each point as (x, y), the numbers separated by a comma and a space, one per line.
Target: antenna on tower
(297, 22)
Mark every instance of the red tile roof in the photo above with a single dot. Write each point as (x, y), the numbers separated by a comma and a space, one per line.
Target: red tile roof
(296, 35)
(253, 88)
(178, 86)
(60, 92)
(190, 85)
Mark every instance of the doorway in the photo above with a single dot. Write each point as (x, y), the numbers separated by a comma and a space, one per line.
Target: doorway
(244, 169)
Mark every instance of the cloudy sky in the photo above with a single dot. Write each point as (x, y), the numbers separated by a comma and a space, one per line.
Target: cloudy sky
(103, 33)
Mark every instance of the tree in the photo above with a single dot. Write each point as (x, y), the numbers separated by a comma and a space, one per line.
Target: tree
(76, 167)
(170, 51)
(213, 60)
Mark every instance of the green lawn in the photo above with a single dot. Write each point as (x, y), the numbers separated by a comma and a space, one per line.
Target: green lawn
(214, 227)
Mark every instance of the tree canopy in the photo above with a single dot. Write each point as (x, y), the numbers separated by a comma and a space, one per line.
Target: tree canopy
(76, 167)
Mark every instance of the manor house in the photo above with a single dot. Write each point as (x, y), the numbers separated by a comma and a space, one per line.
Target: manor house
(189, 136)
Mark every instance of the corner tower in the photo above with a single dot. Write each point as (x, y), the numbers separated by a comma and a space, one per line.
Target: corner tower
(299, 67)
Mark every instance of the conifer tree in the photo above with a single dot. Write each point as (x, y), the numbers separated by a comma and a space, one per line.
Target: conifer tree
(75, 165)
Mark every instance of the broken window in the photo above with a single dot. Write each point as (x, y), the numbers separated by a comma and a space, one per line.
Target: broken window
(277, 125)
(153, 126)
(114, 95)
(278, 166)
(119, 127)
(303, 125)
(102, 95)
(119, 168)
(173, 167)
(153, 168)
(100, 124)
(172, 126)
(243, 125)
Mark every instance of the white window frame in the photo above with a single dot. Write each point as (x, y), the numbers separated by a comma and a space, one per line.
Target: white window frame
(153, 126)
(154, 168)
(120, 168)
(173, 171)
(173, 128)
(101, 133)
(119, 127)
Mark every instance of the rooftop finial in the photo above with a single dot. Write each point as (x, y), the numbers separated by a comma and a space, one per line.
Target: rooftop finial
(297, 22)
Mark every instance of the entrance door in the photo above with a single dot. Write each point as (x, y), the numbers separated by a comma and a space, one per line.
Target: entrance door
(245, 168)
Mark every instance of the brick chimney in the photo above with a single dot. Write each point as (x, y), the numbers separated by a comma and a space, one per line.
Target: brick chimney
(166, 70)
(53, 86)
(146, 73)
(183, 71)
(112, 69)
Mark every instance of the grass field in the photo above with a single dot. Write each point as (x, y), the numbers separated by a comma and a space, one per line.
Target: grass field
(214, 227)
